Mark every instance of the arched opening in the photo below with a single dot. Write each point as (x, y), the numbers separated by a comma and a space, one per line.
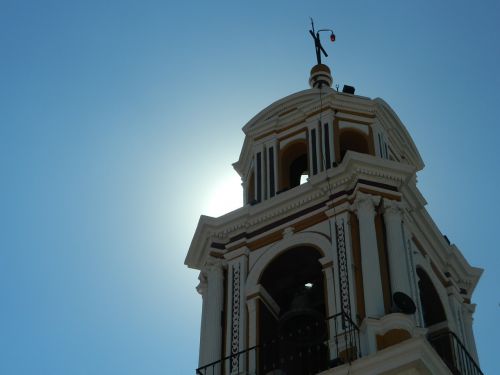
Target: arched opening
(353, 140)
(293, 165)
(432, 307)
(292, 328)
(435, 320)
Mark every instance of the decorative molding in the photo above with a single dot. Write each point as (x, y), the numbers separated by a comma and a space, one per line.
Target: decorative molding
(235, 318)
(301, 200)
(343, 269)
(393, 208)
(287, 232)
(393, 321)
(364, 204)
(202, 287)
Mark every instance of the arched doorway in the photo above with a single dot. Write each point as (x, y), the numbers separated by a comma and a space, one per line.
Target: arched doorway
(293, 332)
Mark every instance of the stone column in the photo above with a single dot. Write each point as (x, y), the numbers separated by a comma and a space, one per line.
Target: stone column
(202, 290)
(213, 327)
(398, 268)
(370, 264)
(244, 185)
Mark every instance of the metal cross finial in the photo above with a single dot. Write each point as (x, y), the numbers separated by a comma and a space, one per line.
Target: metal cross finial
(317, 42)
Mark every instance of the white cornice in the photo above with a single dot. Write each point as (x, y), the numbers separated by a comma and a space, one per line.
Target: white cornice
(447, 258)
(355, 166)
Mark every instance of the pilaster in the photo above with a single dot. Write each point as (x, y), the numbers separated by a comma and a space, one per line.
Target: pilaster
(272, 168)
(252, 334)
(213, 327)
(468, 311)
(260, 173)
(370, 263)
(236, 317)
(314, 160)
(455, 302)
(327, 141)
(345, 294)
(202, 290)
(331, 301)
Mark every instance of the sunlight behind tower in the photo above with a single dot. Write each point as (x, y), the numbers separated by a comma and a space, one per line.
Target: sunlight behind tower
(223, 194)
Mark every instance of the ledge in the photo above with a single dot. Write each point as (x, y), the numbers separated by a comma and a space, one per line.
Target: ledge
(413, 356)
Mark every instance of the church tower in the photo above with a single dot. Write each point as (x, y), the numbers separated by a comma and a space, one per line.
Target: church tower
(333, 264)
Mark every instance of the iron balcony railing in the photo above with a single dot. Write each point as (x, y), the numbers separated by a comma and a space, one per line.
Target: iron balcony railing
(305, 350)
(454, 354)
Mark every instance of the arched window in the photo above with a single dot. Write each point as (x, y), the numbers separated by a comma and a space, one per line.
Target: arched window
(444, 342)
(354, 140)
(293, 165)
(432, 307)
(297, 332)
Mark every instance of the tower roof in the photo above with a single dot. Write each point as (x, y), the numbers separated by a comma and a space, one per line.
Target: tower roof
(305, 105)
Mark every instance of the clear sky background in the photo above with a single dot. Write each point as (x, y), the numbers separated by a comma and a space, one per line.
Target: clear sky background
(119, 121)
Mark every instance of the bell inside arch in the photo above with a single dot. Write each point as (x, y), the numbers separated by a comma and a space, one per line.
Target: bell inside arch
(294, 337)
(303, 324)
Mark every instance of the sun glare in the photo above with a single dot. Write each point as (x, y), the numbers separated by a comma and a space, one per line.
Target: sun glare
(224, 194)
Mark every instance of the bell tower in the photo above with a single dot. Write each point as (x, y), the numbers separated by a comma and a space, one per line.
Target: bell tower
(333, 264)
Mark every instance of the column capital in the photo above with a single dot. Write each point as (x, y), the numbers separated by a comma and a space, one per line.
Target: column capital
(214, 269)
(392, 208)
(364, 204)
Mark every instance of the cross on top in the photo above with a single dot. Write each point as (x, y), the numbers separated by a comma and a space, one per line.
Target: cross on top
(317, 41)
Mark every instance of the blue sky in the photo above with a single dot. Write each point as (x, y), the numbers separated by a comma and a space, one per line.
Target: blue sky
(119, 121)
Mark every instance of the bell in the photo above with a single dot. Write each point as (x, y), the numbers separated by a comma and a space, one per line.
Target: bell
(303, 324)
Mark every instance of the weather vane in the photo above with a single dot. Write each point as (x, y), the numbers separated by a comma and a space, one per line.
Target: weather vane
(317, 41)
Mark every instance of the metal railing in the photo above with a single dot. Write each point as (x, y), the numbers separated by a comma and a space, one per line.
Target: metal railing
(221, 366)
(454, 354)
(305, 350)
